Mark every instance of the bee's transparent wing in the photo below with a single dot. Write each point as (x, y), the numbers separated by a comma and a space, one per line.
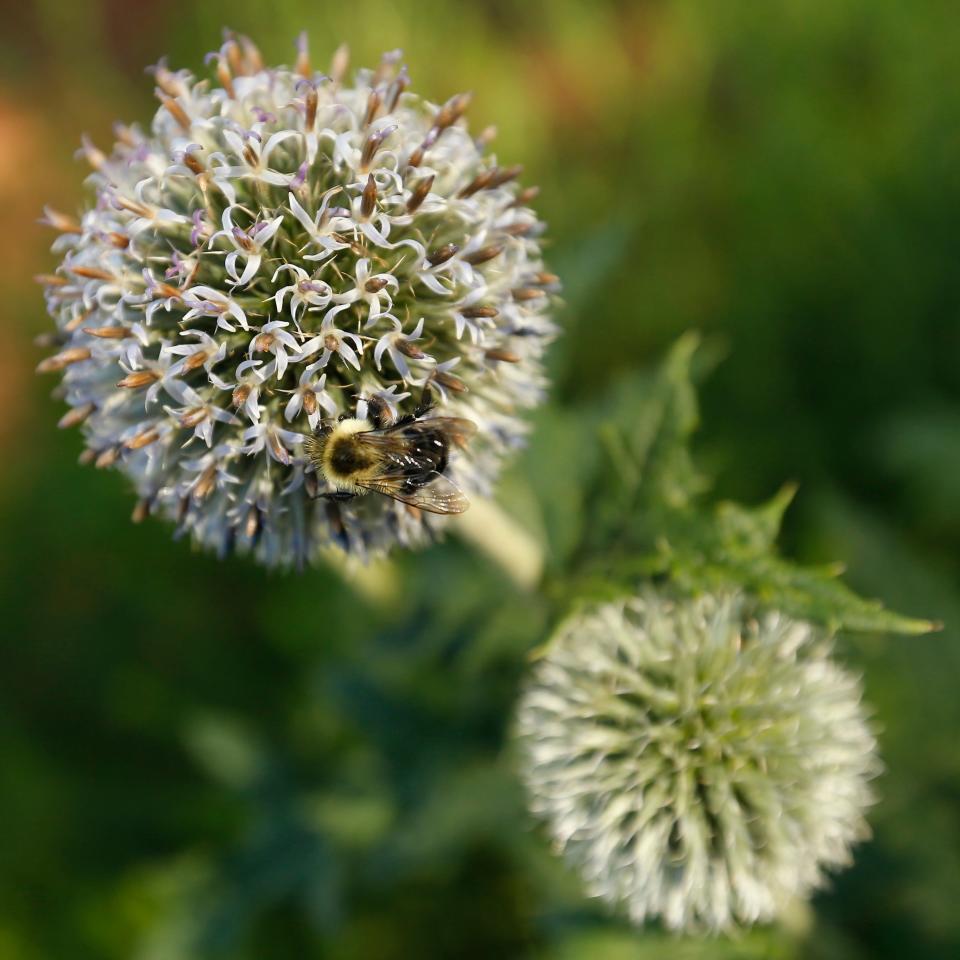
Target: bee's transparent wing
(439, 495)
(457, 430)
(409, 453)
(409, 448)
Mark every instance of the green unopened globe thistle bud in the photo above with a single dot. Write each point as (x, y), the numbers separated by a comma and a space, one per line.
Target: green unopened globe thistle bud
(696, 764)
(281, 248)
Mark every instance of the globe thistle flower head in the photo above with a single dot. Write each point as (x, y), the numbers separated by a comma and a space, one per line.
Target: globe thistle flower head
(695, 764)
(281, 248)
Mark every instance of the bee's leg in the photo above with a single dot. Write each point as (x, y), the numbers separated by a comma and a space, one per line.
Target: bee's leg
(337, 528)
(427, 403)
(311, 486)
(422, 409)
(338, 496)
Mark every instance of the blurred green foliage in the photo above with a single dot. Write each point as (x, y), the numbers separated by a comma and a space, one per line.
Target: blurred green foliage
(204, 760)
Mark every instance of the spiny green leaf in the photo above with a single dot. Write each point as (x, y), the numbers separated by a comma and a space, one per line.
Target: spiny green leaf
(647, 516)
(718, 560)
(659, 422)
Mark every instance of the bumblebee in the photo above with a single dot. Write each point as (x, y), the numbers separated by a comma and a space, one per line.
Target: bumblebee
(405, 460)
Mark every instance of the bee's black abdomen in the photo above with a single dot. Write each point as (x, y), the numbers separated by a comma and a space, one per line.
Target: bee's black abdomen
(443, 454)
(433, 452)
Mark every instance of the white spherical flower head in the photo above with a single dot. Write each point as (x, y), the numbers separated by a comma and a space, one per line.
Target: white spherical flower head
(281, 249)
(695, 764)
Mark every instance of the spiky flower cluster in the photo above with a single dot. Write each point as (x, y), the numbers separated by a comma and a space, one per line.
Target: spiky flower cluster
(280, 248)
(694, 763)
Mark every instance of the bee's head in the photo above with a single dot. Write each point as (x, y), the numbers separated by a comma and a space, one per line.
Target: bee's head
(378, 411)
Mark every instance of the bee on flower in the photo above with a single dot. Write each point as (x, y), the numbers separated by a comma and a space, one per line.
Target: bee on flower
(281, 250)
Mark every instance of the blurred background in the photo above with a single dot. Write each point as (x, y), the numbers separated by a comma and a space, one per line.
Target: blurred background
(201, 759)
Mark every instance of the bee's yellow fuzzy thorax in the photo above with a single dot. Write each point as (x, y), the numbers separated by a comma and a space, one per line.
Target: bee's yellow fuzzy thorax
(343, 459)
